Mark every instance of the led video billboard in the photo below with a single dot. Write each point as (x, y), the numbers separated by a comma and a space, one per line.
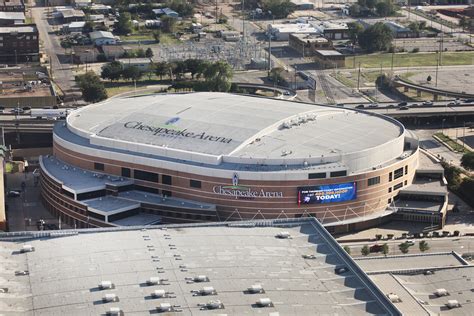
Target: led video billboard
(330, 193)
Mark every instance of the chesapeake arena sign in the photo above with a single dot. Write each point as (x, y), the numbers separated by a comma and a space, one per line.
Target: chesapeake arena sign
(170, 131)
(244, 192)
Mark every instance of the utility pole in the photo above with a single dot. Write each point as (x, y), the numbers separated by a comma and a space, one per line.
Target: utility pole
(393, 56)
(269, 49)
(358, 79)
(243, 20)
(217, 13)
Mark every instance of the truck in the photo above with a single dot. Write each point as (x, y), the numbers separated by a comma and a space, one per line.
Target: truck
(52, 114)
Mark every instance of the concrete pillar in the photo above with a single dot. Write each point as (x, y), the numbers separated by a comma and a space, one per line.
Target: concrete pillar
(405, 89)
(435, 97)
(418, 93)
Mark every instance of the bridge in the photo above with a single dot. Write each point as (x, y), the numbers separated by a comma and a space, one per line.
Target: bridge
(399, 82)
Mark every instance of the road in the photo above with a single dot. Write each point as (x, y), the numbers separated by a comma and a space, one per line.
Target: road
(62, 74)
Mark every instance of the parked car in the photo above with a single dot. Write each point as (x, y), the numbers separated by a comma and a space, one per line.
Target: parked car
(360, 106)
(410, 242)
(428, 103)
(403, 103)
(340, 104)
(373, 105)
(404, 108)
(375, 248)
(13, 193)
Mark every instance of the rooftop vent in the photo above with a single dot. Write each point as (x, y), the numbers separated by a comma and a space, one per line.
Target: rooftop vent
(283, 235)
(110, 297)
(255, 288)
(23, 272)
(309, 257)
(393, 298)
(441, 292)
(106, 285)
(264, 302)
(214, 304)
(158, 293)
(153, 281)
(27, 248)
(200, 278)
(114, 311)
(453, 304)
(207, 290)
(164, 307)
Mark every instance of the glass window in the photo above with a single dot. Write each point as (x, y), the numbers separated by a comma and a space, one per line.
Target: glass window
(165, 179)
(195, 184)
(341, 173)
(145, 175)
(373, 181)
(318, 175)
(398, 173)
(99, 166)
(126, 172)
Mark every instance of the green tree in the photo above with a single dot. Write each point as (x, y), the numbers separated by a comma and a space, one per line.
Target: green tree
(385, 249)
(377, 37)
(467, 161)
(354, 10)
(275, 75)
(168, 24)
(193, 66)
(365, 250)
(124, 23)
(384, 8)
(182, 7)
(423, 245)
(112, 71)
(140, 53)
(157, 35)
(132, 73)
(371, 3)
(218, 76)
(429, 78)
(88, 26)
(181, 68)
(362, 3)
(161, 69)
(355, 28)
(347, 249)
(404, 247)
(279, 9)
(149, 53)
(464, 22)
(92, 88)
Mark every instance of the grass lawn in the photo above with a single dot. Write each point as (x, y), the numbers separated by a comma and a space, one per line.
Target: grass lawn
(117, 87)
(11, 167)
(410, 59)
(455, 146)
(138, 37)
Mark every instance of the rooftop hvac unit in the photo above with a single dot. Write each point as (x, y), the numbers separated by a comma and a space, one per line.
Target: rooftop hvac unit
(441, 292)
(27, 248)
(114, 311)
(153, 281)
(256, 288)
(264, 302)
(110, 297)
(215, 304)
(207, 290)
(283, 235)
(393, 298)
(105, 285)
(453, 304)
(164, 307)
(158, 293)
(200, 278)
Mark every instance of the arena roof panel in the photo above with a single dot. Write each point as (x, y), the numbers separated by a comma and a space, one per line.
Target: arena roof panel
(234, 125)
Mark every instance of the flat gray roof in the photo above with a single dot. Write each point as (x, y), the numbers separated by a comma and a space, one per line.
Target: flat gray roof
(138, 219)
(408, 262)
(232, 257)
(108, 205)
(428, 206)
(19, 29)
(234, 125)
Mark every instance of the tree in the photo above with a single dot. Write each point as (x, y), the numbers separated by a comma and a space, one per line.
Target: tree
(182, 7)
(275, 75)
(157, 35)
(92, 88)
(377, 37)
(464, 22)
(347, 249)
(181, 68)
(428, 78)
(354, 10)
(140, 53)
(378, 236)
(88, 26)
(385, 249)
(218, 76)
(161, 69)
(365, 250)
(467, 161)
(279, 9)
(384, 8)
(415, 28)
(149, 53)
(124, 23)
(354, 28)
(193, 66)
(132, 73)
(370, 3)
(112, 71)
(404, 247)
(168, 24)
(423, 245)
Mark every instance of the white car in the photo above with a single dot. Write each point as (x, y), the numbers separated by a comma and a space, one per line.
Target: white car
(373, 105)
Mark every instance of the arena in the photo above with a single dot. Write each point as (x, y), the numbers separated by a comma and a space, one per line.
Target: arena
(218, 157)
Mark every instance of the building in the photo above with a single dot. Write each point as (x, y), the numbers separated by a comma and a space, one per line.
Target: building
(74, 27)
(100, 38)
(278, 267)
(400, 31)
(112, 52)
(307, 44)
(82, 3)
(329, 58)
(165, 11)
(85, 54)
(227, 157)
(281, 32)
(331, 30)
(144, 64)
(12, 6)
(303, 5)
(19, 44)
(67, 15)
(12, 18)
